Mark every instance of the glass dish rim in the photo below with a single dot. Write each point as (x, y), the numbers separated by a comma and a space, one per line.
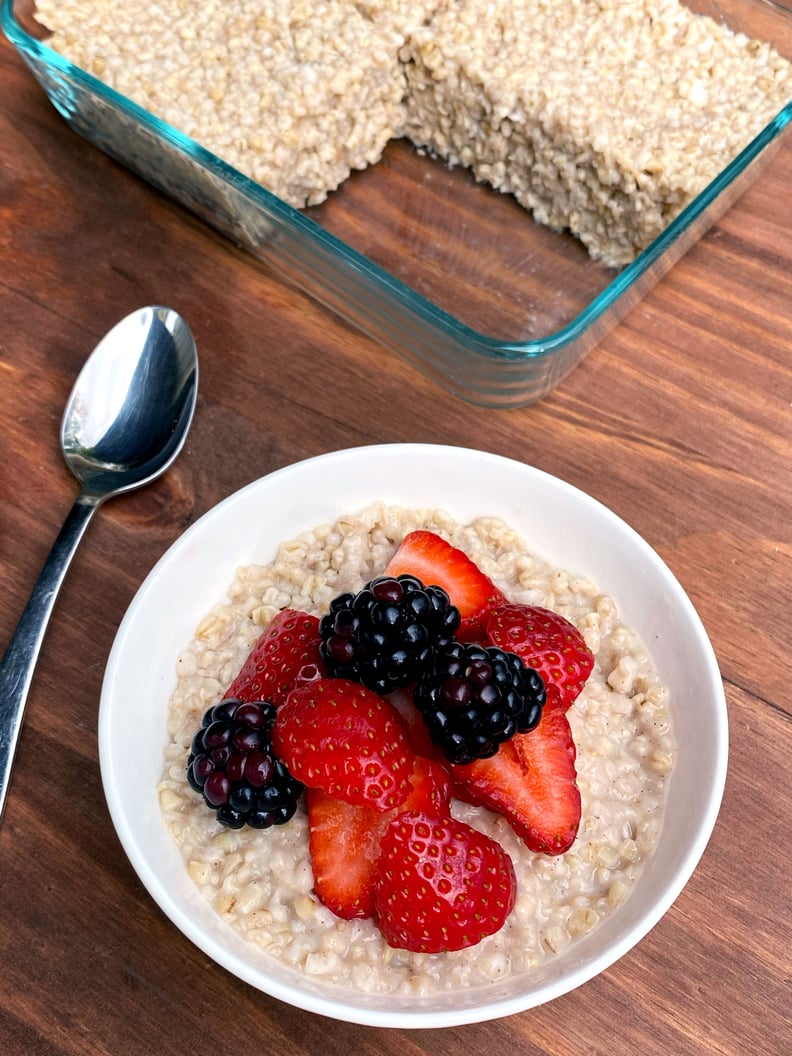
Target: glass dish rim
(418, 304)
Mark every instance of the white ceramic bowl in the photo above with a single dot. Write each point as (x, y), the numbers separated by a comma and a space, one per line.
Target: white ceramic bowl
(562, 525)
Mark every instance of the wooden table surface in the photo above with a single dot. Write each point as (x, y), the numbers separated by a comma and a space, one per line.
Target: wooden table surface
(680, 421)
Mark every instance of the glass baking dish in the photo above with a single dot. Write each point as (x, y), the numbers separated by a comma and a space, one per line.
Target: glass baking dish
(456, 278)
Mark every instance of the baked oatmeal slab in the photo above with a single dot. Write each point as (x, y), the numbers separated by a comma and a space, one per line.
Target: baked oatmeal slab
(601, 117)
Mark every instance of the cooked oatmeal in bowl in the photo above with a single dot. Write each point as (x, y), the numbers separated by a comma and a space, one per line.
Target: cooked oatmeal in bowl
(250, 895)
(262, 882)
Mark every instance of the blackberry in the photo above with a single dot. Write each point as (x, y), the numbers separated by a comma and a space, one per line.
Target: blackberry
(473, 698)
(385, 635)
(233, 766)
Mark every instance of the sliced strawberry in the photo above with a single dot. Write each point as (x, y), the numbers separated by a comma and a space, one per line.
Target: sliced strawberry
(532, 782)
(431, 788)
(344, 839)
(339, 736)
(498, 783)
(289, 643)
(437, 563)
(344, 842)
(440, 885)
(402, 700)
(547, 756)
(547, 642)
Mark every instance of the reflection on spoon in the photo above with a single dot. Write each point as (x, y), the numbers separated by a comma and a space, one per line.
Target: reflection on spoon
(125, 422)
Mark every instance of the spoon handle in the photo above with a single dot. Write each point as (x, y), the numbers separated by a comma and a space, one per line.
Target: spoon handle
(18, 664)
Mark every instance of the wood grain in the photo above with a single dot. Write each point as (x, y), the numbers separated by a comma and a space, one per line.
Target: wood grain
(681, 421)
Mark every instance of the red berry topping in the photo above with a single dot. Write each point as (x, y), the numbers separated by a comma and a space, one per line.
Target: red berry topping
(344, 839)
(338, 736)
(308, 712)
(289, 643)
(532, 782)
(435, 561)
(441, 885)
(548, 643)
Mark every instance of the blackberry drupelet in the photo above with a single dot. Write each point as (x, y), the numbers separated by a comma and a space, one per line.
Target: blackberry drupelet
(385, 636)
(233, 766)
(473, 698)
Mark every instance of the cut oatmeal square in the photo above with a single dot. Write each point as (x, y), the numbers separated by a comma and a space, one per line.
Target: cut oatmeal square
(295, 95)
(605, 117)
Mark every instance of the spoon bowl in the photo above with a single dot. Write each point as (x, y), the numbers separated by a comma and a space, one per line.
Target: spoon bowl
(128, 414)
(125, 422)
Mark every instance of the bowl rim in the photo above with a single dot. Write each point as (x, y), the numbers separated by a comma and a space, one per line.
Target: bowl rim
(343, 1004)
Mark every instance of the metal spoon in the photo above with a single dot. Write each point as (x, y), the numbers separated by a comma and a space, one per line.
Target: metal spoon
(125, 423)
